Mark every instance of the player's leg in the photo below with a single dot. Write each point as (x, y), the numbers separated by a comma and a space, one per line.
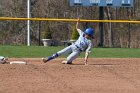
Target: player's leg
(66, 50)
(71, 57)
(50, 58)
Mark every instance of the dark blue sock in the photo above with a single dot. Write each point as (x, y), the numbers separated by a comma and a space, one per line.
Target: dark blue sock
(52, 57)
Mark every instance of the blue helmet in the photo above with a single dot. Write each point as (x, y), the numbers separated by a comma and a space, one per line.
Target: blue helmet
(89, 31)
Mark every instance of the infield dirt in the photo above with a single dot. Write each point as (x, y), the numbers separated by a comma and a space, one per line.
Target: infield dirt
(102, 75)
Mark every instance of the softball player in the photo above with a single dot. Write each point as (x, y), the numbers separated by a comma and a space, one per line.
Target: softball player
(83, 44)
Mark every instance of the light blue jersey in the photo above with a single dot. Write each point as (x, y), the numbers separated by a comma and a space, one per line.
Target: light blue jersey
(83, 43)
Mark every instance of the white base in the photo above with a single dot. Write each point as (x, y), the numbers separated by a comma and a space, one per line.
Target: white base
(18, 62)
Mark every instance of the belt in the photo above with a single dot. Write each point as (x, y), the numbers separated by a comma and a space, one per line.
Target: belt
(79, 48)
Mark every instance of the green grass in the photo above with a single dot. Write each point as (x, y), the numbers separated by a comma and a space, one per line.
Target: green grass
(116, 52)
(40, 51)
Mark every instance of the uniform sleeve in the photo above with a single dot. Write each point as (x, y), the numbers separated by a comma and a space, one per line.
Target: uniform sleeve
(90, 46)
(80, 32)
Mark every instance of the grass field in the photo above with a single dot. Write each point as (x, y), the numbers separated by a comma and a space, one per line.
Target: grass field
(40, 51)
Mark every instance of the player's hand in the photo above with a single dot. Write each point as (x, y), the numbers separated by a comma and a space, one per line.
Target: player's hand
(78, 19)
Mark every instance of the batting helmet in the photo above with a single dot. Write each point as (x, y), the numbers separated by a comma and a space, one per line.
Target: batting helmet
(89, 31)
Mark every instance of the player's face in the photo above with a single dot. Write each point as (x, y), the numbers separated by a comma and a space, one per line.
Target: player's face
(88, 36)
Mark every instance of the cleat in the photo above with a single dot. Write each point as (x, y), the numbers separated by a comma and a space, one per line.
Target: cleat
(44, 60)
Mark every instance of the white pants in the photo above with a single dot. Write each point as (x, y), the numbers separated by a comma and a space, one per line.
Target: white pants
(72, 50)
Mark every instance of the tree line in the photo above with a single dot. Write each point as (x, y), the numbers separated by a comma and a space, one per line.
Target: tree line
(114, 34)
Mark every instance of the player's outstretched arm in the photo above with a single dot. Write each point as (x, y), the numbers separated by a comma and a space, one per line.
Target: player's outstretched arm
(77, 24)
